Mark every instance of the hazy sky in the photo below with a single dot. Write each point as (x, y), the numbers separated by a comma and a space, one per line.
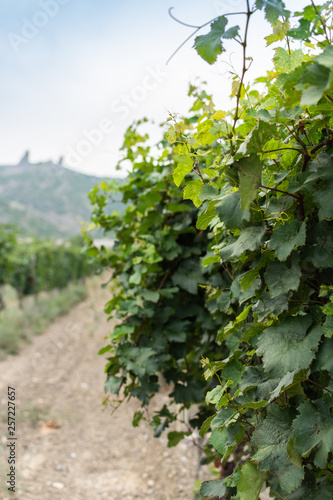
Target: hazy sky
(76, 73)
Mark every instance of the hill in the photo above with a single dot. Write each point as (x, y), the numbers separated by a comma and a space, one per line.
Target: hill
(45, 199)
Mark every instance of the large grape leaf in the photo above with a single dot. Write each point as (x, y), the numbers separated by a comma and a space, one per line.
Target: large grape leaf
(302, 31)
(322, 491)
(192, 192)
(279, 32)
(287, 346)
(324, 358)
(223, 302)
(209, 192)
(141, 360)
(205, 218)
(257, 138)
(248, 278)
(318, 78)
(326, 57)
(266, 388)
(210, 46)
(250, 292)
(268, 305)
(273, 9)
(324, 200)
(328, 327)
(249, 179)
(251, 238)
(187, 276)
(226, 439)
(314, 427)
(223, 418)
(214, 488)
(250, 482)
(287, 238)
(318, 251)
(289, 379)
(285, 61)
(230, 212)
(322, 169)
(150, 296)
(184, 167)
(271, 439)
(280, 279)
(255, 378)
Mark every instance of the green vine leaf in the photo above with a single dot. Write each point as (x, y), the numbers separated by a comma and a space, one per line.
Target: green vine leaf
(268, 306)
(250, 482)
(314, 427)
(280, 278)
(192, 192)
(210, 46)
(226, 439)
(302, 32)
(205, 218)
(287, 238)
(150, 296)
(257, 138)
(184, 167)
(214, 488)
(318, 78)
(273, 9)
(209, 193)
(250, 238)
(286, 62)
(250, 169)
(322, 491)
(229, 210)
(288, 346)
(271, 439)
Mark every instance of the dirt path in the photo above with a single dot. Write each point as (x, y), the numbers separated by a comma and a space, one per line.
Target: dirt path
(59, 382)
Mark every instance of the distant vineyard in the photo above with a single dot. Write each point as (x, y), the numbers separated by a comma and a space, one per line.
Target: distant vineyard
(31, 267)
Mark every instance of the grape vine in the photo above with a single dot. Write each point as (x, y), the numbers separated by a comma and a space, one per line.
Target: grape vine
(228, 264)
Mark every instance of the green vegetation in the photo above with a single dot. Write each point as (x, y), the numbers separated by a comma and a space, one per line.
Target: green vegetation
(39, 280)
(20, 325)
(36, 266)
(240, 278)
(166, 326)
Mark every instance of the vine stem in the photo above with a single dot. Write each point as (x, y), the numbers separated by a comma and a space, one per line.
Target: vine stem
(144, 321)
(298, 139)
(321, 386)
(279, 191)
(322, 21)
(299, 199)
(163, 281)
(326, 142)
(197, 171)
(282, 149)
(227, 271)
(195, 164)
(240, 414)
(244, 69)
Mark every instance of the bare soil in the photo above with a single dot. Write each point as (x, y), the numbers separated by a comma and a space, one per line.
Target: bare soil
(67, 447)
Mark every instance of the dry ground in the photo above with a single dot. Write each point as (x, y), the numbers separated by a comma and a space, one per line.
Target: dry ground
(67, 447)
